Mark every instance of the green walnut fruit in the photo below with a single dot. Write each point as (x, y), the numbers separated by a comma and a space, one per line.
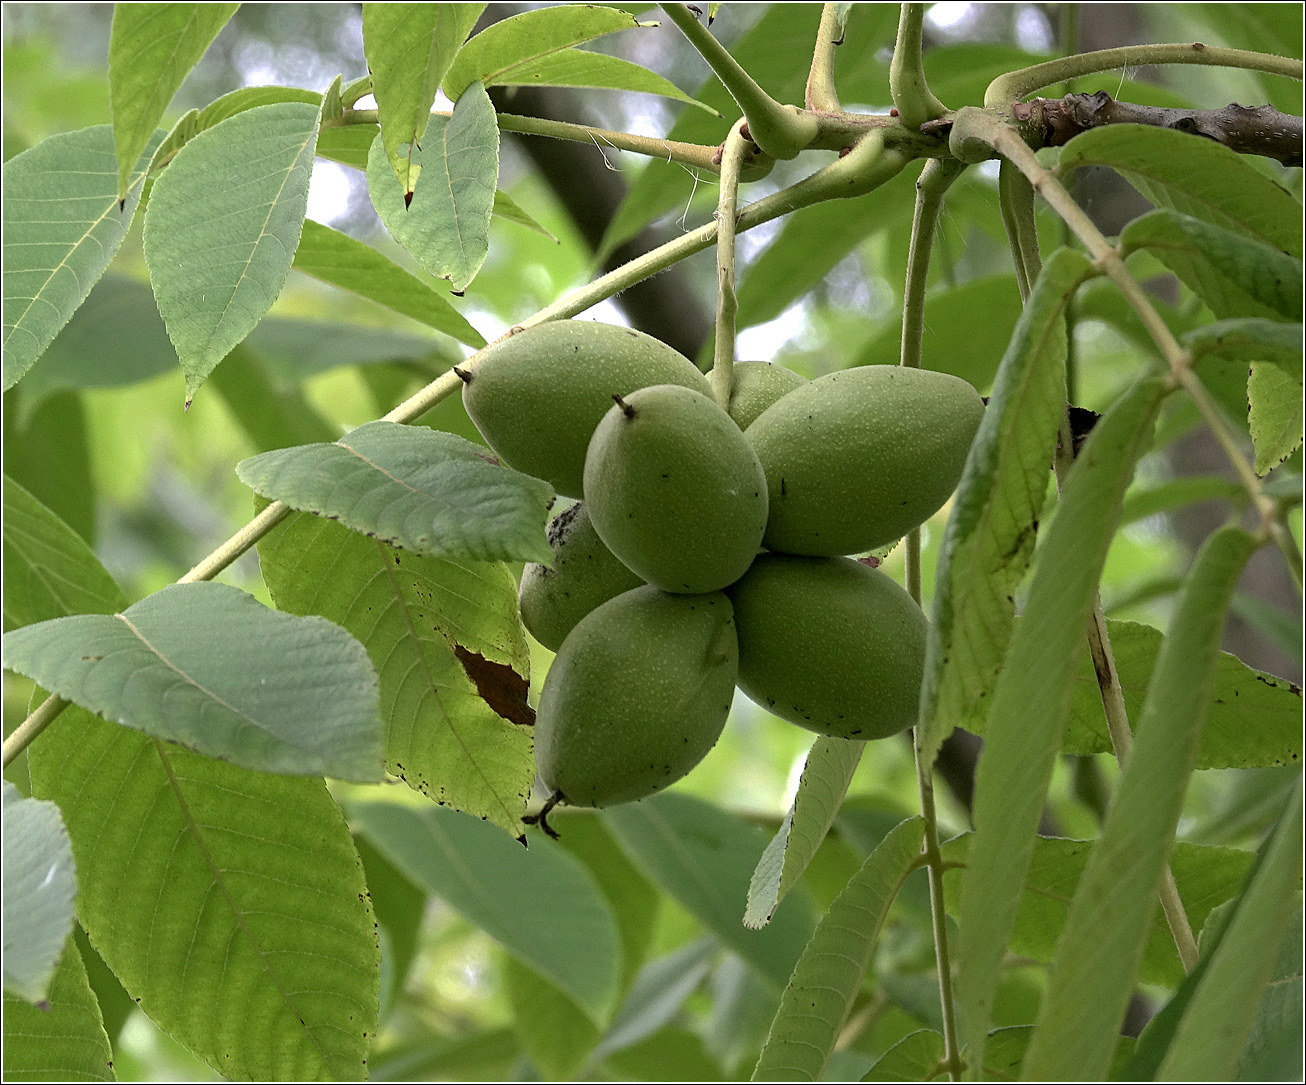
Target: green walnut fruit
(637, 695)
(829, 644)
(675, 491)
(755, 386)
(537, 395)
(584, 574)
(858, 458)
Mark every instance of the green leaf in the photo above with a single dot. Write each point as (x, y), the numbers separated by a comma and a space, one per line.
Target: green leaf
(48, 454)
(1250, 339)
(1235, 275)
(1275, 414)
(152, 48)
(338, 259)
(49, 571)
(583, 68)
(436, 630)
(230, 903)
(672, 1054)
(1194, 176)
(989, 539)
(348, 144)
(827, 772)
(556, 1033)
(431, 493)
(488, 1055)
(65, 1040)
(1280, 629)
(1175, 494)
(295, 350)
(704, 858)
(445, 227)
(62, 227)
(1253, 719)
(1206, 878)
(1102, 942)
(409, 47)
(400, 908)
(222, 227)
(1032, 696)
(210, 667)
(954, 342)
(505, 207)
(1215, 1026)
(538, 902)
(495, 55)
(40, 882)
(1274, 1045)
(916, 1057)
(820, 994)
(272, 415)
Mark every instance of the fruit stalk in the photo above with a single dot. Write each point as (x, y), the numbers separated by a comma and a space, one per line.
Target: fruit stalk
(723, 353)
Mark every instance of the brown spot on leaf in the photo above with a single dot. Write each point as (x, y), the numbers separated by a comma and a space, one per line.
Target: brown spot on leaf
(502, 688)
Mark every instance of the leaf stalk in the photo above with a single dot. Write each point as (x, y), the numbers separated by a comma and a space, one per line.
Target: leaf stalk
(727, 305)
(911, 94)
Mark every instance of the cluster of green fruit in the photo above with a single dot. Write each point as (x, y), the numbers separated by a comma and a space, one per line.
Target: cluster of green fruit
(710, 547)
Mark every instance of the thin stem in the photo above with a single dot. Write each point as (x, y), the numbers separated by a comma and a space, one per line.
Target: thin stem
(1013, 86)
(821, 92)
(1016, 204)
(23, 735)
(723, 352)
(911, 94)
(780, 130)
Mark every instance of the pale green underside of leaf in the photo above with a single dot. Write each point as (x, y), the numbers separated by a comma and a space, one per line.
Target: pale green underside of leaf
(829, 974)
(1102, 942)
(1235, 275)
(989, 539)
(582, 68)
(1176, 493)
(338, 259)
(827, 772)
(208, 666)
(222, 227)
(505, 207)
(1253, 719)
(62, 226)
(1251, 339)
(40, 882)
(152, 48)
(49, 571)
(430, 493)
(66, 1041)
(1194, 176)
(1211, 1035)
(446, 227)
(556, 1032)
(1206, 877)
(230, 903)
(1275, 415)
(704, 858)
(518, 41)
(409, 612)
(539, 902)
(1032, 696)
(409, 48)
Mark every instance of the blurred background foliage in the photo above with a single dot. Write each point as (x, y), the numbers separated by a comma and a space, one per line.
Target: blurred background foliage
(98, 433)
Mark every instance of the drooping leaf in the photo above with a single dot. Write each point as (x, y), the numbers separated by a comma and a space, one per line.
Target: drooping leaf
(273, 415)
(487, 1055)
(347, 144)
(209, 667)
(400, 907)
(1197, 177)
(1032, 697)
(1275, 415)
(1273, 1051)
(1175, 494)
(222, 227)
(40, 882)
(62, 1041)
(916, 1057)
(409, 47)
(295, 350)
(49, 571)
(416, 489)
(1102, 942)
(1235, 275)
(989, 539)
(1251, 339)
(1253, 719)
(413, 614)
(49, 455)
(704, 858)
(583, 68)
(505, 207)
(230, 903)
(671, 1054)
(538, 902)
(152, 48)
(62, 226)
(494, 55)
(556, 1033)
(445, 226)
(827, 772)
(820, 994)
(1210, 1038)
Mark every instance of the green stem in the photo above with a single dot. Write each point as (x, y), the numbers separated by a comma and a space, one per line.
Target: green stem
(821, 92)
(780, 130)
(911, 95)
(22, 736)
(1016, 204)
(723, 352)
(1013, 86)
